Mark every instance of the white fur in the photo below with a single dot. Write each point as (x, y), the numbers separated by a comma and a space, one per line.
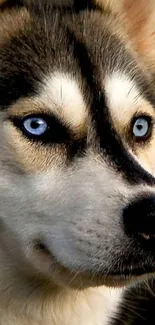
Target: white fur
(62, 94)
(90, 307)
(124, 98)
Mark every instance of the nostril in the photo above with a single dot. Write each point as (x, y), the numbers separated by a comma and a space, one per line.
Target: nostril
(139, 218)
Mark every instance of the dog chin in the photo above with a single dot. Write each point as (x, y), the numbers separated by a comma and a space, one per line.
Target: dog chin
(60, 273)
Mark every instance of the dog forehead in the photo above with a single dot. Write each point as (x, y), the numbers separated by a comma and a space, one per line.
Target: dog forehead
(63, 94)
(77, 47)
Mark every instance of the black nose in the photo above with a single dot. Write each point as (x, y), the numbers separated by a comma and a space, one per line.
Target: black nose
(139, 218)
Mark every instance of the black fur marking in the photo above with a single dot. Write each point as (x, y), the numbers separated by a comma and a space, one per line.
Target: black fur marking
(11, 3)
(138, 306)
(112, 145)
(15, 86)
(84, 4)
(27, 57)
(56, 133)
(110, 141)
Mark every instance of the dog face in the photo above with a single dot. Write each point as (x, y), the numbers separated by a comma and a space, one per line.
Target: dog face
(76, 150)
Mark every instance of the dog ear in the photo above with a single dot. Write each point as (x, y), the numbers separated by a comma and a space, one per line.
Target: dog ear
(139, 23)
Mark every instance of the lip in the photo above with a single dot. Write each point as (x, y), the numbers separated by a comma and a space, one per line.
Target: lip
(119, 276)
(133, 271)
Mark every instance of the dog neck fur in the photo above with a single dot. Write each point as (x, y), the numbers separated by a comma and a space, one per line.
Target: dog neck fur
(26, 302)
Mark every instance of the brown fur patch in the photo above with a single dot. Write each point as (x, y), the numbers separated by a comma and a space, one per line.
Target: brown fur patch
(11, 22)
(146, 155)
(35, 157)
(113, 6)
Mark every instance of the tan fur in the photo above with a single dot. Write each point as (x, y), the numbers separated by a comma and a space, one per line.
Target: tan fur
(125, 102)
(11, 24)
(137, 18)
(146, 155)
(137, 26)
(34, 158)
(139, 22)
(113, 6)
(41, 158)
(64, 307)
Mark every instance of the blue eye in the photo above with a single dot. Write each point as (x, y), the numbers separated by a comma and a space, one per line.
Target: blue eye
(45, 128)
(35, 126)
(142, 127)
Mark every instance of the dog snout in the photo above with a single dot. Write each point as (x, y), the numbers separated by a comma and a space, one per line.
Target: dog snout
(139, 218)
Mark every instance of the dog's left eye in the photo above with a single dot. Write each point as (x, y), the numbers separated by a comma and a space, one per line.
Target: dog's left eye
(142, 127)
(35, 126)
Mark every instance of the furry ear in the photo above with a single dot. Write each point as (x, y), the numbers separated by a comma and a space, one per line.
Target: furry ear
(139, 19)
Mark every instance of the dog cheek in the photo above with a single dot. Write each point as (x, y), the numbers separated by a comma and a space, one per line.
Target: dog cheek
(146, 157)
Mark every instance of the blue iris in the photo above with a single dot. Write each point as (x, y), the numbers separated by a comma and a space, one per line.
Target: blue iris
(36, 126)
(141, 127)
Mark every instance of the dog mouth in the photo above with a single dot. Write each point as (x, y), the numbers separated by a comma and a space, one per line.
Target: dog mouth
(120, 275)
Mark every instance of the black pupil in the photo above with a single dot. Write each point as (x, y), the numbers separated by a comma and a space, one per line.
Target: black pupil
(139, 127)
(35, 124)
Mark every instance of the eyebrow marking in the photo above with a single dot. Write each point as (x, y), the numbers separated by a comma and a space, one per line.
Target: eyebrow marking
(124, 98)
(62, 94)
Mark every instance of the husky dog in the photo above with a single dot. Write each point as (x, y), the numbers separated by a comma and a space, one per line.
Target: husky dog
(77, 143)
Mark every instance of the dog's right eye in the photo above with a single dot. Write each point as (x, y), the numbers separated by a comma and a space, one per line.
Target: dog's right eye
(44, 128)
(35, 126)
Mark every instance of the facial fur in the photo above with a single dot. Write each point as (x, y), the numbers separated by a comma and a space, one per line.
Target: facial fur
(62, 195)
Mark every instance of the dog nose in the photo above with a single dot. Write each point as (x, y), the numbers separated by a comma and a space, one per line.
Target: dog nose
(139, 218)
